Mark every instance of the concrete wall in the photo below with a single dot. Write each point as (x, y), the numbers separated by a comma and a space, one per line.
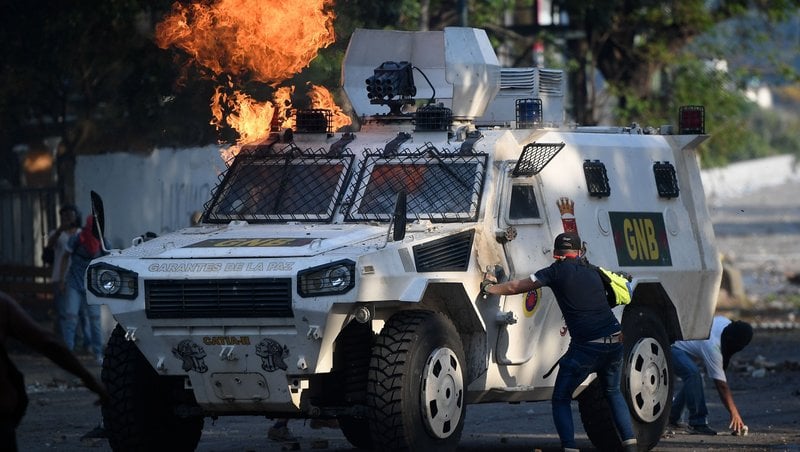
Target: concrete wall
(744, 177)
(159, 192)
(156, 192)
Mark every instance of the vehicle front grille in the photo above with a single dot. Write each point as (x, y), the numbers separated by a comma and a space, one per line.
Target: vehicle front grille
(184, 298)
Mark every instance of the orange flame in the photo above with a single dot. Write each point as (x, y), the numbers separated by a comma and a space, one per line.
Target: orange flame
(322, 98)
(265, 40)
(283, 106)
(253, 120)
(272, 40)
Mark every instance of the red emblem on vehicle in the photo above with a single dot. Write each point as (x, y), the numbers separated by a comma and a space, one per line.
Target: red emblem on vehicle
(531, 301)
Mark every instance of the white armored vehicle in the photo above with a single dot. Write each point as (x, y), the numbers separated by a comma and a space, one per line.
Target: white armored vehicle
(336, 275)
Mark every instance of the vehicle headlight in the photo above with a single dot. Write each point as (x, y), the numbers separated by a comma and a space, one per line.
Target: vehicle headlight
(106, 280)
(329, 279)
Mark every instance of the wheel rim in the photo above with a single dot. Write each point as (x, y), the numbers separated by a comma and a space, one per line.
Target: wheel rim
(442, 393)
(648, 381)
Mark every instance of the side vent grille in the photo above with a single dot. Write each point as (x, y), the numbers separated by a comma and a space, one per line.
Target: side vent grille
(450, 254)
(596, 178)
(551, 81)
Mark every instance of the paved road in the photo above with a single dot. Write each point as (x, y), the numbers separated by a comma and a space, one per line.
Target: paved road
(61, 412)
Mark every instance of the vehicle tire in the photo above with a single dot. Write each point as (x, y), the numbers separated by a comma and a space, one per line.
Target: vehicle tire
(351, 361)
(646, 385)
(415, 389)
(597, 418)
(647, 375)
(356, 430)
(141, 413)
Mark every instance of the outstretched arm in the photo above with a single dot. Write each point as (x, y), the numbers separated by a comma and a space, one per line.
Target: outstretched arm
(22, 327)
(727, 399)
(511, 287)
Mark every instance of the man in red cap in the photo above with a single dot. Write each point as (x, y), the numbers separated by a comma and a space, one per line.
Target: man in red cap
(596, 338)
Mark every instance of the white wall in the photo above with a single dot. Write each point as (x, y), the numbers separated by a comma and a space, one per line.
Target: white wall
(744, 177)
(156, 192)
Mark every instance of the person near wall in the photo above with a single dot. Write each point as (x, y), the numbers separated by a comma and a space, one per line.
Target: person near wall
(55, 249)
(17, 324)
(81, 249)
(596, 337)
(725, 339)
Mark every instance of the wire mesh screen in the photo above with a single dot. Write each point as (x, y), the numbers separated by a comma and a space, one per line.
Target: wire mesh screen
(439, 187)
(691, 119)
(433, 117)
(666, 180)
(528, 113)
(313, 121)
(534, 157)
(596, 178)
(280, 187)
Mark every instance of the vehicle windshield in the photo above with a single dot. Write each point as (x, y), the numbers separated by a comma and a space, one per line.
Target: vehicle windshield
(314, 187)
(279, 188)
(438, 188)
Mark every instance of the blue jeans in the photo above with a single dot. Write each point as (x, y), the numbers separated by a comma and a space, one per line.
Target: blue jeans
(691, 395)
(74, 305)
(580, 361)
(59, 300)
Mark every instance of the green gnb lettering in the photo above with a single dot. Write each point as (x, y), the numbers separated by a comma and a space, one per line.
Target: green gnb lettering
(640, 238)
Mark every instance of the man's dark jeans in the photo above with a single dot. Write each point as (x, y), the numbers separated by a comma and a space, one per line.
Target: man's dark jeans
(580, 361)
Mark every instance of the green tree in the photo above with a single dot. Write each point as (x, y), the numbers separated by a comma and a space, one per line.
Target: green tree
(89, 73)
(644, 51)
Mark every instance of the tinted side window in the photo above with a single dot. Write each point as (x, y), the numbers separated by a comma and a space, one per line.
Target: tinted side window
(523, 203)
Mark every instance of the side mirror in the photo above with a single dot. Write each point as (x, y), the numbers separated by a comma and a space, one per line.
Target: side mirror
(399, 217)
(98, 228)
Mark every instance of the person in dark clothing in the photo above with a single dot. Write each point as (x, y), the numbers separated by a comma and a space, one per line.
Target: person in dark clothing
(596, 337)
(16, 323)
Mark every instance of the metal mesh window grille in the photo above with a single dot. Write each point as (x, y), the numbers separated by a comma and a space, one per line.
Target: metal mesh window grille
(691, 120)
(314, 121)
(666, 180)
(596, 178)
(534, 157)
(280, 187)
(528, 113)
(440, 187)
(433, 117)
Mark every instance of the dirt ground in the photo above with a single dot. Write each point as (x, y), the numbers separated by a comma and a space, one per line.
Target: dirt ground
(758, 232)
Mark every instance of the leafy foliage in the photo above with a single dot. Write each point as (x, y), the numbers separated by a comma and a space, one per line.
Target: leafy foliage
(89, 72)
(648, 55)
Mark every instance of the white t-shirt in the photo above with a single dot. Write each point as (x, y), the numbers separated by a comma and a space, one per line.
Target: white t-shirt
(58, 253)
(709, 350)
